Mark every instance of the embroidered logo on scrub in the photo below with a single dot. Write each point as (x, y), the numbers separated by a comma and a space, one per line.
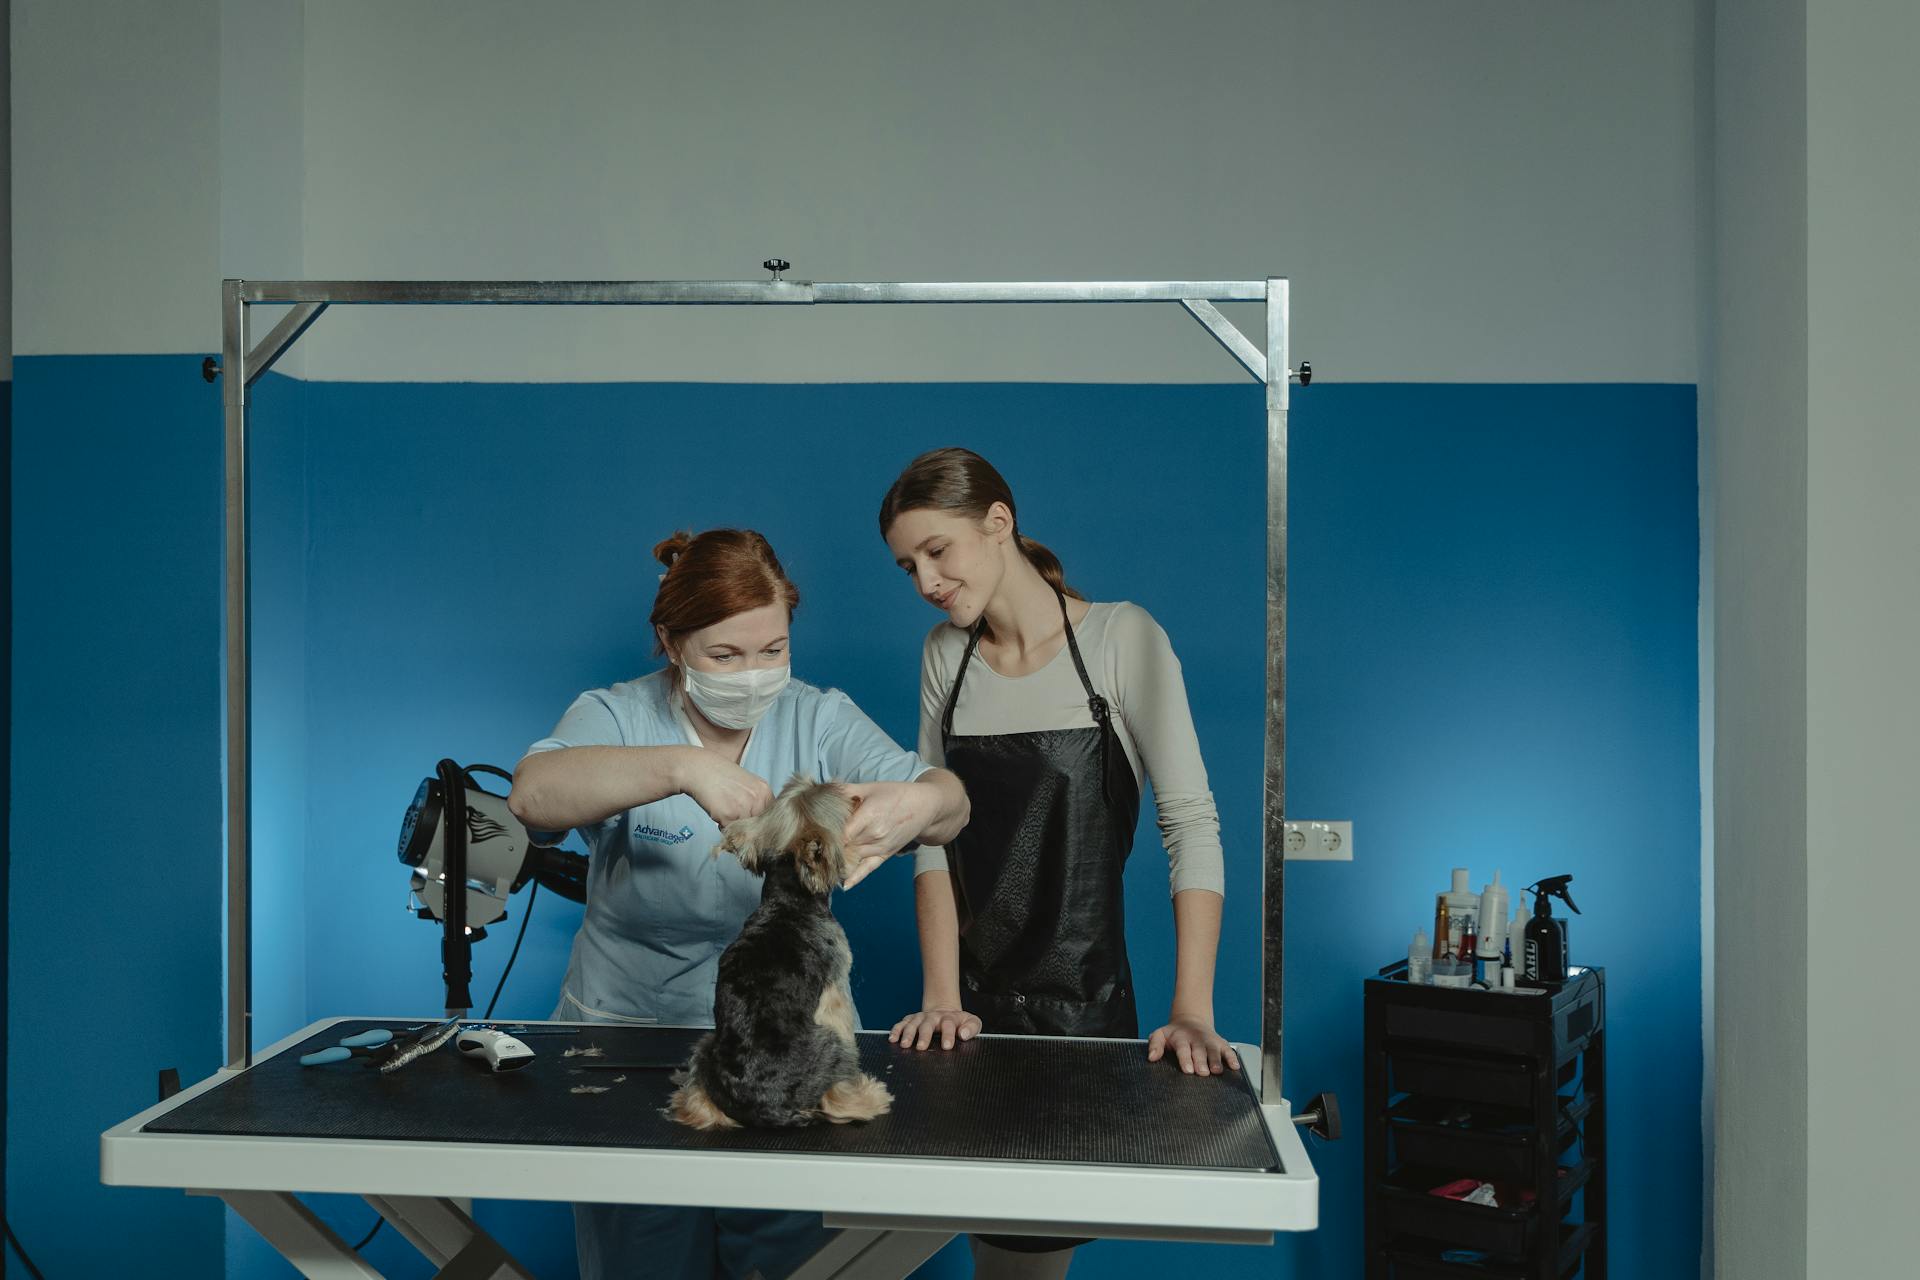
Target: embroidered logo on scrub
(656, 836)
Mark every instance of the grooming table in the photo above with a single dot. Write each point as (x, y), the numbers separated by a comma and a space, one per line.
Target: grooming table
(1012, 1135)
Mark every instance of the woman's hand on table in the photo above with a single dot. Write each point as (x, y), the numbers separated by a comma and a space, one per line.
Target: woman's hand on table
(920, 1030)
(1194, 1045)
(889, 816)
(725, 790)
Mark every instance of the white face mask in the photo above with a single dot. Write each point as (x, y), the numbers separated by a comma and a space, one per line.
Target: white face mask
(734, 699)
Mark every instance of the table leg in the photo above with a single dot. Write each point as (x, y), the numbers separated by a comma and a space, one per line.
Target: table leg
(313, 1247)
(448, 1237)
(858, 1253)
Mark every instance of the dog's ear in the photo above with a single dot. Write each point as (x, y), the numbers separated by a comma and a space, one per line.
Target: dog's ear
(817, 859)
(820, 851)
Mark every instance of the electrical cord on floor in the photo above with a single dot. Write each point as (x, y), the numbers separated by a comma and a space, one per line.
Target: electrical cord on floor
(533, 891)
(367, 1239)
(28, 1262)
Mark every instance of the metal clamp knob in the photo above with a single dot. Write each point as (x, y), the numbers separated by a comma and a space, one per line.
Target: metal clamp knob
(1304, 373)
(1322, 1117)
(777, 265)
(210, 368)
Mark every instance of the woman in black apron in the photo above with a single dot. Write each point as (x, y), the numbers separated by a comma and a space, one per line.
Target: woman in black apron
(1023, 924)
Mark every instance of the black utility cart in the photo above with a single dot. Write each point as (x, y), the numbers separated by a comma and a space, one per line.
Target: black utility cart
(1488, 1086)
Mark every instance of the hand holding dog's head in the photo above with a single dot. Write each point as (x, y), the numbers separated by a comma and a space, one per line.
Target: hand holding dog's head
(807, 822)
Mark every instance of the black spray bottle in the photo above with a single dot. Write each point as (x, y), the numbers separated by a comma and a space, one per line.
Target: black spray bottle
(1546, 938)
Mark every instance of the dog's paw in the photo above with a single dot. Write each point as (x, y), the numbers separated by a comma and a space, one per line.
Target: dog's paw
(691, 1106)
(860, 1098)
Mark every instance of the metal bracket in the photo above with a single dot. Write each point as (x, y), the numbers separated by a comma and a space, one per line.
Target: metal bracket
(1238, 345)
(280, 337)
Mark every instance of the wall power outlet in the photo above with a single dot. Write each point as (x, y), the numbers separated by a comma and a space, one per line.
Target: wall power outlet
(1319, 841)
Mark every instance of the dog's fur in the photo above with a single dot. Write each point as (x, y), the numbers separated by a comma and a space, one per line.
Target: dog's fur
(782, 1050)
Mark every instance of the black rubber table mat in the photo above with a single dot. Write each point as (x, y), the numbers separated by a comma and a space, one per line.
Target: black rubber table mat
(994, 1098)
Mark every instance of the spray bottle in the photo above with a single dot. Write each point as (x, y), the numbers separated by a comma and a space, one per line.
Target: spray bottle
(1546, 936)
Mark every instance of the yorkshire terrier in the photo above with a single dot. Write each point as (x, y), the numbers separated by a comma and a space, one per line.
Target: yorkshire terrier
(782, 1053)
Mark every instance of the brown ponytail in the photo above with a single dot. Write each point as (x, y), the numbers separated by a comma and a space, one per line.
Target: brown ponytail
(713, 576)
(1049, 566)
(962, 483)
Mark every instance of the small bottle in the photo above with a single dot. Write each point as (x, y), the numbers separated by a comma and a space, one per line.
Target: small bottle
(1420, 959)
(1439, 927)
(1493, 914)
(1455, 970)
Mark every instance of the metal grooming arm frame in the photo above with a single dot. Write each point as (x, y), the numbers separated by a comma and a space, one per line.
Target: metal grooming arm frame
(243, 364)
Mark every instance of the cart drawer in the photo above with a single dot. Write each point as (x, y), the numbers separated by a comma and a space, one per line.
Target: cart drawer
(1489, 1156)
(1504, 1232)
(1494, 1080)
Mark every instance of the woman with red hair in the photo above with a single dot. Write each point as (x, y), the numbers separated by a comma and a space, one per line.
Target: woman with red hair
(649, 771)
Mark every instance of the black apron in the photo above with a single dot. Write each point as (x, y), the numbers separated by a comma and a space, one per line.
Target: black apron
(1037, 871)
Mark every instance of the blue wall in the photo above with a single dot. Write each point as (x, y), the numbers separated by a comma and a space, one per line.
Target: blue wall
(1492, 662)
(114, 969)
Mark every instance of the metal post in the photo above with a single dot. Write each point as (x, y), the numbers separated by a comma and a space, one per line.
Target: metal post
(234, 383)
(1273, 845)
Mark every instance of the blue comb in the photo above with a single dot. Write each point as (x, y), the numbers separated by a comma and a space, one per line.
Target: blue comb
(350, 1046)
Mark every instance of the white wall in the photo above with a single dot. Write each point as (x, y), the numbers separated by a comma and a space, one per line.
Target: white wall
(262, 159)
(116, 213)
(1758, 441)
(6, 194)
(1863, 631)
(1475, 191)
(262, 151)
(1816, 541)
(157, 149)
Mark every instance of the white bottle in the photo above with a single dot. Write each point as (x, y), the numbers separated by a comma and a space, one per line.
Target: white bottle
(1463, 905)
(1517, 934)
(1493, 910)
(1420, 959)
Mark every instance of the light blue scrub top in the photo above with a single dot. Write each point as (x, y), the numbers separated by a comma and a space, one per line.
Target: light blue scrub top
(660, 908)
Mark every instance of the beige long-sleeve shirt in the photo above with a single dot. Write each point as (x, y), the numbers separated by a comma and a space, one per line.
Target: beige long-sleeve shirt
(1132, 665)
